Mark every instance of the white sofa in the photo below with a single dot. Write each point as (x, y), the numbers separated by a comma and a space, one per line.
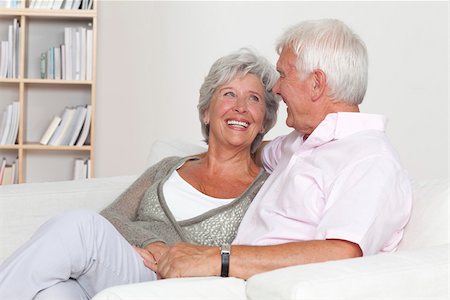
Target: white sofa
(418, 270)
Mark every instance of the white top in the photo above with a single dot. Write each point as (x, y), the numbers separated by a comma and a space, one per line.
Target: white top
(186, 202)
(344, 182)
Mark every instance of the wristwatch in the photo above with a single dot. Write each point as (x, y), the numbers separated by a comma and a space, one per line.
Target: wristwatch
(225, 252)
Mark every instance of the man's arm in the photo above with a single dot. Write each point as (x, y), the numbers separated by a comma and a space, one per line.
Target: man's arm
(185, 260)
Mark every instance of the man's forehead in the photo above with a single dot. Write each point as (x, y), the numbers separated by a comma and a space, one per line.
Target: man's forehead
(287, 59)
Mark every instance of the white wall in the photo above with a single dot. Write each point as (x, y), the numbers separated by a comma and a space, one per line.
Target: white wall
(153, 57)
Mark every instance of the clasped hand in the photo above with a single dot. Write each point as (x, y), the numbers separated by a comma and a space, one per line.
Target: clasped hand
(180, 260)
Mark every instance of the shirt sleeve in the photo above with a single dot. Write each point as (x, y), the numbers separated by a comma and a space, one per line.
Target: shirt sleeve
(122, 213)
(369, 204)
(272, 153)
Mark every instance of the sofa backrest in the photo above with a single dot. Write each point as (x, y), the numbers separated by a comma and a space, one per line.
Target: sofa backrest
(428, 225)
(172, 147)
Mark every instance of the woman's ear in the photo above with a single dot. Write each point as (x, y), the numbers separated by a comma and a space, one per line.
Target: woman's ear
(319, 84)
(206, 117)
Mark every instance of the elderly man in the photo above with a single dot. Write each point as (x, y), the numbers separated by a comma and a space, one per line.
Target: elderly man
(336, 190)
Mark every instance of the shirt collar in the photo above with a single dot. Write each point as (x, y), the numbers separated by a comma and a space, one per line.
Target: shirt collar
(339, 125)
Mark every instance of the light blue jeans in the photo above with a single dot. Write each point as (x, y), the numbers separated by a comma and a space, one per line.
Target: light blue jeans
(72, 256)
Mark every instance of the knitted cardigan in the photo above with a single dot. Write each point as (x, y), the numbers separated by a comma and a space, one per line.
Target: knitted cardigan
(142, 216)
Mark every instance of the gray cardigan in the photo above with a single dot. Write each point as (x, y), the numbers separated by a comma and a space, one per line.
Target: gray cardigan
(142, 216)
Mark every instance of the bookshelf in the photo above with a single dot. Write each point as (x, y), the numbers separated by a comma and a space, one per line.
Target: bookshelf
(40, 100)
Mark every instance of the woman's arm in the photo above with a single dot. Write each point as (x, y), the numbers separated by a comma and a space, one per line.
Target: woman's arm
(122, 213)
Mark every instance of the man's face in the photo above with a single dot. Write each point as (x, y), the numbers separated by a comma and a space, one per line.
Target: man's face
(295, 89)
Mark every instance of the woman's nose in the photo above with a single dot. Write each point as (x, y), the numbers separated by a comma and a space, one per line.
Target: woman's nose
(240, 105)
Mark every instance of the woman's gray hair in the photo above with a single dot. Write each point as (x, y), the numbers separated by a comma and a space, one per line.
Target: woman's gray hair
(331, 46)
(225, 69)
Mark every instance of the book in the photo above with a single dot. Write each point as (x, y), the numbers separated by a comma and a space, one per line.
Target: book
(77, 52)
(3, 124)
(63, 62)
(16, 173)
(57, 4)
(50, 130)
(68, 52)
(4, 59)
(57, 62)
(82, 53)
(80, 169)
(10, 51)
(88, 169)
(89, 54)
(12, 135)
(7, 175)
(61, 131)
(76, 4)
(78, 124)
(43, 65)
(86, 126)
(68, 4)
(2, 169)
(15, 48)
(4, 135)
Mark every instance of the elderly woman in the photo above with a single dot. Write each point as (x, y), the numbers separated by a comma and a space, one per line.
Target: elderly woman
(199, 199)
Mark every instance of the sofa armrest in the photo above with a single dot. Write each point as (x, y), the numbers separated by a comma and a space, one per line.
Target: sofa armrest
(24, 207)
(418, 274)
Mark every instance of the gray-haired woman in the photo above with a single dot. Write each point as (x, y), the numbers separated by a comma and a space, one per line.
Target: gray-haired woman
(199, 199)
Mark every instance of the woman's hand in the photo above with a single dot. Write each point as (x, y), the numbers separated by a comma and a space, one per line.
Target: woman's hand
(151, 254)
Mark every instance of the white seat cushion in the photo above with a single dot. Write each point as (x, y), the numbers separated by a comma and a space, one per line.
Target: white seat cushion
(428, 225)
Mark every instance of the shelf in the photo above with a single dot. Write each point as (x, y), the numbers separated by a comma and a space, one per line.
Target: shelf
(49, 13)
(46, 147)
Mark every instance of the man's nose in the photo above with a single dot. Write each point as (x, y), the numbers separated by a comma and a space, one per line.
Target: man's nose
(276, 87)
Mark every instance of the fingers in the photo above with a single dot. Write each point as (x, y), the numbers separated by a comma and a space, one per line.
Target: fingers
(148, 258)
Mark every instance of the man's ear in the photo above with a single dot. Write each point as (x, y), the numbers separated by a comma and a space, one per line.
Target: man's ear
(319, 84)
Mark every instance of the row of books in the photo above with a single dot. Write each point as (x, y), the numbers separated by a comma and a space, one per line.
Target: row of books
(72, 60)
(12, 3)
(8, 172)
(9, 127)
(71, 129)
(9, 52)
(82, 169)
(61, 4)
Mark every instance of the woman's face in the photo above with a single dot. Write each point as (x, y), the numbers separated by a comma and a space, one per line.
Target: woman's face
(236, 112)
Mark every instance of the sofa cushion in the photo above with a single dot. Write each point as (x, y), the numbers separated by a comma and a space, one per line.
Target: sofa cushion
(213, 288)
(169, 147)
(428, 225)
(24, 207)
(413, 274)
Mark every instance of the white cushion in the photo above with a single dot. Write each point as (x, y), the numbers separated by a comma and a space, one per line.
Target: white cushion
(428, 225)
(24, 207)
(169, 147)
(212, 288)
(416, 274)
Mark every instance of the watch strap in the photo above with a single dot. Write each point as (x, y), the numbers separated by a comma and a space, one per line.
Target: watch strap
(225, 252)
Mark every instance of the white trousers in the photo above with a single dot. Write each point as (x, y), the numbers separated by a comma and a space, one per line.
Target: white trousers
(72, 256)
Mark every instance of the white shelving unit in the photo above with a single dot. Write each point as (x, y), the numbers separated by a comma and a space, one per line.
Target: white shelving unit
(42, 99)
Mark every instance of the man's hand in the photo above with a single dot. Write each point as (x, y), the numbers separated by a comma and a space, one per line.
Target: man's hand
(186, 260)
(152, 253)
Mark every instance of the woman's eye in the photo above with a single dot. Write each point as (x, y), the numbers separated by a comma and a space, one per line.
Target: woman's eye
(254, 98)
(229, 94)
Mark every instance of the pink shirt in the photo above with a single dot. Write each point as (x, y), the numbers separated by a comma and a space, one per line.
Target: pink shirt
(344, 182)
